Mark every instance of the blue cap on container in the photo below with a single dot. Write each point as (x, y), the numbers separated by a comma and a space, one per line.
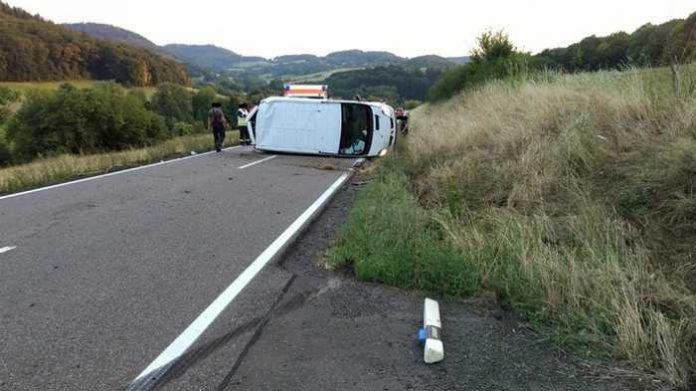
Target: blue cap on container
(422, 336)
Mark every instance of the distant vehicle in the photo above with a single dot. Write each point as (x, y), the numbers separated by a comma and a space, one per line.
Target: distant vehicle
(306, 91)
(323, 127)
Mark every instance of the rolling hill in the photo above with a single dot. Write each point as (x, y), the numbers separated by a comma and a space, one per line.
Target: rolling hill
(220, 60)
(112, 33)
(357, 58)
(35, 49)
(459, 60)
(429, 62)
(209, 57)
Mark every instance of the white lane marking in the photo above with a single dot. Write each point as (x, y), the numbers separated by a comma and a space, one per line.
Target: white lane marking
(7, 249)
(109, 174)
(177, 348)
(257, 162)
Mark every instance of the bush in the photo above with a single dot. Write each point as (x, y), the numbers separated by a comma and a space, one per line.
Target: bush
(7, 96)
(174, 103)
(75, 121)
(140, 96)
(495, 57)
(202, 102)
(412, 104)
(5, 155)
(478, 72)
(183, 129)
(492, 46)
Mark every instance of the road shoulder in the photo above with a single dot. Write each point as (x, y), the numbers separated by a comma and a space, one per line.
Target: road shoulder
(329, 331)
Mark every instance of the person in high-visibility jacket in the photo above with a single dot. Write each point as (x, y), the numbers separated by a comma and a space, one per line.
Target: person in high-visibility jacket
(242, 121)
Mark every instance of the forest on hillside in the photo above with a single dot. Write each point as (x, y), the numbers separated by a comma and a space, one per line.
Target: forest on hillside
(650, 45)
(35, 49)
(394, 84)
(669, 44)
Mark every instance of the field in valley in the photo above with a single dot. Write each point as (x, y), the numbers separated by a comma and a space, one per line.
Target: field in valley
(53, 85)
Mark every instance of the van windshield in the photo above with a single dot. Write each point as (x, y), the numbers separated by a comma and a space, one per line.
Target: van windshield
(356, 129)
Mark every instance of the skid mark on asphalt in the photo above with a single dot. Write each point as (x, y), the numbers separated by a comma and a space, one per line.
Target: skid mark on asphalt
(163, 376)
(187, 338)
(275, 310)
(257, 162)
(181, 366)
(7, 249)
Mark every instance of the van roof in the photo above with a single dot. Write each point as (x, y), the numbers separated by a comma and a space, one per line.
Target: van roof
(309, 100)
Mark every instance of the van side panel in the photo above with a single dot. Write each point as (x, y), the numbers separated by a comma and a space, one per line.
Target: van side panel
(300, 127)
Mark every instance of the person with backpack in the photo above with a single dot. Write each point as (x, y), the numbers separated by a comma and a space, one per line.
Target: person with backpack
(217, 123)
(242, 121)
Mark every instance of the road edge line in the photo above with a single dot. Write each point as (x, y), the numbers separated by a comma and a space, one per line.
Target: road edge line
(277, 248)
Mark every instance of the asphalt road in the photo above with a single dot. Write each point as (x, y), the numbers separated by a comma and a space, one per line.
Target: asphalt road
(98, 278)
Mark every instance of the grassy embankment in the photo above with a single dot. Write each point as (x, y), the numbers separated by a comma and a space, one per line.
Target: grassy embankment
(573, 198)
(46, 171)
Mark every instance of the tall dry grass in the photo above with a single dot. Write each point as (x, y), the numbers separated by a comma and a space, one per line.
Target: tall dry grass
(45, 171)
(575, 198)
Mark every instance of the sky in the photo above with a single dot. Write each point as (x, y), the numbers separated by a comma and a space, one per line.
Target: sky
(408, 28)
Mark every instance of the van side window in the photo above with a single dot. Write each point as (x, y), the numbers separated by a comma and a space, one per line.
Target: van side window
(377, 122)
(356, 129)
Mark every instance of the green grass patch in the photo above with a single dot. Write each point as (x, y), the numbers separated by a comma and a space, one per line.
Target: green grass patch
(388, 238)
(23, 87)
(47, 85)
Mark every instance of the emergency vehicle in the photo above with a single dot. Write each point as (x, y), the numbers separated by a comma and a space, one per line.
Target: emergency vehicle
(306, 91)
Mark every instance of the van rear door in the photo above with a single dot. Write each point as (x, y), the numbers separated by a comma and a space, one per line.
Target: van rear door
(357, 129)
(298, 126)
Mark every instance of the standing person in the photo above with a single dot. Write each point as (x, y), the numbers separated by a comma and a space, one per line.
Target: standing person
(402, 120)
(217, 123)
(242, 121)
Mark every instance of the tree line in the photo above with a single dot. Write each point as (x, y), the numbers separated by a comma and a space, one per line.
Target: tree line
(650, 45)
(106, 117)
(496, 57)
(34, 49)
(394, 83)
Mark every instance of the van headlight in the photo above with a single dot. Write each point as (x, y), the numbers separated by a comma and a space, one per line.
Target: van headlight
(383, 152)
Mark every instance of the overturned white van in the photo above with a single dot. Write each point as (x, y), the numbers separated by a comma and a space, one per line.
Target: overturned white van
(323, 127)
